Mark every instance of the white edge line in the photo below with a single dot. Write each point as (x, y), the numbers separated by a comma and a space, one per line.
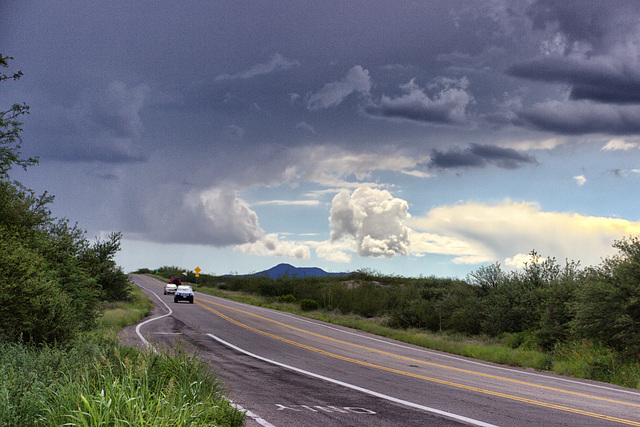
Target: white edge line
(253, 416)
(249, 414)
(355, 387)
(151, 320)
(489, 365)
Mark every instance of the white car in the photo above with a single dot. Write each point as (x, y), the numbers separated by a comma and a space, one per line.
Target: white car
(170, 288)
(183, 293)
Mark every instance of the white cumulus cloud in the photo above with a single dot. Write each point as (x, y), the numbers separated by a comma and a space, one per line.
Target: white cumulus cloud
(374, 218)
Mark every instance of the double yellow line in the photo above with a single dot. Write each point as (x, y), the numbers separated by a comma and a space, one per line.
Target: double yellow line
(418, 376)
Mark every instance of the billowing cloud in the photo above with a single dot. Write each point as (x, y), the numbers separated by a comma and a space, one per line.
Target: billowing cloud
(215, 217)
(228, 218)
(271, 245)
(447, 105)
(332, 94)
(478, 156)
(277, 62)
(374, 218)
(481, 232)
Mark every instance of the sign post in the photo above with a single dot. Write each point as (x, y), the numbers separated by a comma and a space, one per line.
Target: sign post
(197, 270)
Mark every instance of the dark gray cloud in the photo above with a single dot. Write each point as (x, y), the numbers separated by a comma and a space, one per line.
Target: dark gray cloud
(594, 22)
(193, 106)
(594, 55)
(583, 117)
(446, 105)
(598, 79)
(77, 151)
(102, 124)
(478, 156)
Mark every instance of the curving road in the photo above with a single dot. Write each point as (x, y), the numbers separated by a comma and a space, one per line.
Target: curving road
(285, 370)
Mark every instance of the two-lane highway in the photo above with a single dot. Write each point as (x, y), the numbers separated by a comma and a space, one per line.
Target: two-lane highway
(289, 371)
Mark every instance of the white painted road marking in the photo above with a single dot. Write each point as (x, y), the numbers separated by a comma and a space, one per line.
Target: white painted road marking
(330, 408)
(355, 387)
(151, 320)
(249, 414)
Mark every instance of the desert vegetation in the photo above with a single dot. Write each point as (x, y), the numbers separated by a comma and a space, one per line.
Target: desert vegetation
(583, 322)
(62, 301)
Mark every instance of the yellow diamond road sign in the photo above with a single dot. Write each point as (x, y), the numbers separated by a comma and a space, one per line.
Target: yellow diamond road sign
(198, 270)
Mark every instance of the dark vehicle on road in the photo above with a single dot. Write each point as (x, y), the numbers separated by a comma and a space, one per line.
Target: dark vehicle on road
(176, 280)
(183, 293)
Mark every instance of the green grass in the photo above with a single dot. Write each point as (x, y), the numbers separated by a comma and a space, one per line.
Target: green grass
(144, 388)
(95, 382)
(117, 315)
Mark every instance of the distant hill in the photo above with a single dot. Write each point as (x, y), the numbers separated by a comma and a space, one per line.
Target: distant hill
(281, 270)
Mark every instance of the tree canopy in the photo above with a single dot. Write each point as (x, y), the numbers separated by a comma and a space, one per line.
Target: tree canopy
(53, 278)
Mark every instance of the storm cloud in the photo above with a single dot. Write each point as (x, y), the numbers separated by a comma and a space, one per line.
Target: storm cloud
(479, 156)
(447, 104)
(308, 129)
(594, 55)
(597, 79)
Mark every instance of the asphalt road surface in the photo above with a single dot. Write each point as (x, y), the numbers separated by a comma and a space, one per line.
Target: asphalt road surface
(286, 370)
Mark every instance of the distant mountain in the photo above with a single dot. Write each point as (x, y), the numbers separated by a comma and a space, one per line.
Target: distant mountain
(281, 270)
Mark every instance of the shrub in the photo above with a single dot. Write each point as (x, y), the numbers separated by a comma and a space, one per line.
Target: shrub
(287, 298)
(33, 302)
(309, 305)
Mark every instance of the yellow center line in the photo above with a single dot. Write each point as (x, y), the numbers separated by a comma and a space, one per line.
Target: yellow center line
(425, 362)
(410, 374)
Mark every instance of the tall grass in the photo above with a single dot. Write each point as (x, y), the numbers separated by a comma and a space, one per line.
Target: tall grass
(117, 315)
(94, 382)
(144, 389)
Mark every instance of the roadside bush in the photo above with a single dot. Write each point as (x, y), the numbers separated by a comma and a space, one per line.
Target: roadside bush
(414, 313)
(98, 261)
(268, 288)
(369, 299)
(309, 305)
(33, 302)
(289, 298)
(608, 308)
